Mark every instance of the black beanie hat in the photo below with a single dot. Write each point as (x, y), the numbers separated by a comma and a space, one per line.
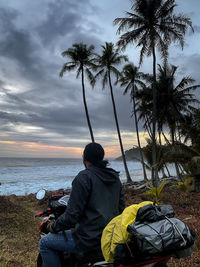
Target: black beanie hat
(93, 152)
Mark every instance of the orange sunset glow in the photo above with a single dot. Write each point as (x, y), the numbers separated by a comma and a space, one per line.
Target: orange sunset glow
(34, 149)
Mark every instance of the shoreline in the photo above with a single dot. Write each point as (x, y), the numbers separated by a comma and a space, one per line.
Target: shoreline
(135, 185)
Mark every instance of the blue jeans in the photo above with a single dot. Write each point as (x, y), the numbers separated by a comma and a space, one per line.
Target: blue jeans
(52, 243)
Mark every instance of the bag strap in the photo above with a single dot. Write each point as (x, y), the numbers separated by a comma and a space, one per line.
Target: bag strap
(185, 242)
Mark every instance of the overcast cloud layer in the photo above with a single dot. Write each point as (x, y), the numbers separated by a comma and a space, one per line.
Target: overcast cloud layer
(39, 107)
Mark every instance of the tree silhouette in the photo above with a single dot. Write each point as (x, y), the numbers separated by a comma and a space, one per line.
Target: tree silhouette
(106, 63)
(132, 80)
(151, 25)
(81, 58)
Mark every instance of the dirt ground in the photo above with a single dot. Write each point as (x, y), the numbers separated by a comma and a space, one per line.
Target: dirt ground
(186, 207)
(19, 228)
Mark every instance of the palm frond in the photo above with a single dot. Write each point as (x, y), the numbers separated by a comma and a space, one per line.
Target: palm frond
(67, 68)
(182, 22)
(130, 37)
(129, 87)
(116, 73)
(90, 76)
(79, 70)
(132, 20)
(185, 81)
(166, 9)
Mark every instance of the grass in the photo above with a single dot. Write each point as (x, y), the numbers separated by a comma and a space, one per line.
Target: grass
(18, 231)
(19, 228)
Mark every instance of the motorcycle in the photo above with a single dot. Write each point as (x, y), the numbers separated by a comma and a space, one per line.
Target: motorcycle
(56, 206)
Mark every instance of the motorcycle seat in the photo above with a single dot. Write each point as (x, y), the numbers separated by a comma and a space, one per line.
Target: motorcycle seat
(91, 256)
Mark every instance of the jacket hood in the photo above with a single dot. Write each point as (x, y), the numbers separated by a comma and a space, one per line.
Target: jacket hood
(106, 175)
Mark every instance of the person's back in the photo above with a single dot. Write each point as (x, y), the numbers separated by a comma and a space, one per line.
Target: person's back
(105, 201)
(96, 198)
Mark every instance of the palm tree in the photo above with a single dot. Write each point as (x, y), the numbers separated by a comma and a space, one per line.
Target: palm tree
(81, 58)
(153, 25)
(106, 63)
(132, 80)
(190, 129)
(175, 102)
(161, 151)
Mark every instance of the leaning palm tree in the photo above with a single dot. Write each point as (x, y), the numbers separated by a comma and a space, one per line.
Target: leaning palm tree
(152, 25)
(106, 63)
(81, 58)
(132, 80)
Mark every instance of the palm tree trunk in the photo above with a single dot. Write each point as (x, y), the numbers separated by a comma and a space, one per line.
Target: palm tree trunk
(138, 140)
(155, 178)
(167, 170)
(147, 126)
(160, 143)
(176, 164)
(129, 180)
(85, 105)
(181, 168)
(166, 140)
(179, 136)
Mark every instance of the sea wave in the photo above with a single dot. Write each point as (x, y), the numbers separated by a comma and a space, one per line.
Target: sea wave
(24, 176)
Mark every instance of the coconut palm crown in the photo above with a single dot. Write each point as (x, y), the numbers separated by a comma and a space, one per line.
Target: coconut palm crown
(106, 63)
(152, 24)
(174, 100)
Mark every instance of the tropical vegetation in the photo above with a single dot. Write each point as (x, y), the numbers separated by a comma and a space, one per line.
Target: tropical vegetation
(153, 25)
(163, 103)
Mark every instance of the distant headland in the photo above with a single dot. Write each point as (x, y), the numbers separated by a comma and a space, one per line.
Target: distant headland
(131, 154)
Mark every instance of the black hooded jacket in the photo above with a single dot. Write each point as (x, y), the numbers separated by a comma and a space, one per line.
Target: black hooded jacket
(95, 199)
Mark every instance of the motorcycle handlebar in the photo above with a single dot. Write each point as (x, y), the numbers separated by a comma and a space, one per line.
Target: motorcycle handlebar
(54, 206)
(44, 213)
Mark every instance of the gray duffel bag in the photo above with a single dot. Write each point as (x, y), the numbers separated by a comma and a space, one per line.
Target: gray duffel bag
(168, 235)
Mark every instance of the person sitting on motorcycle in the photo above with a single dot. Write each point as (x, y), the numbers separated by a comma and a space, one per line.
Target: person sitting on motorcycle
(96, 198)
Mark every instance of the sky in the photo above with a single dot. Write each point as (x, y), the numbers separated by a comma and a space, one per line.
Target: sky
(41, 114)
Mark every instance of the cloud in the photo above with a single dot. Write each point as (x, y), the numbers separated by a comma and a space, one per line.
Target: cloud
(66, 23)
(17, 45)
(50, 105)
(38, 106)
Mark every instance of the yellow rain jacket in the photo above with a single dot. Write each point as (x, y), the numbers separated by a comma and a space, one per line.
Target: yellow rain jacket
(116, 232)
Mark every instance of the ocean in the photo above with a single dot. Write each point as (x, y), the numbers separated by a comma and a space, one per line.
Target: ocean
(21, 176)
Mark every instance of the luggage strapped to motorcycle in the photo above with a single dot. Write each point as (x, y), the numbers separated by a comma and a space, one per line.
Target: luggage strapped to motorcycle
(155, 231)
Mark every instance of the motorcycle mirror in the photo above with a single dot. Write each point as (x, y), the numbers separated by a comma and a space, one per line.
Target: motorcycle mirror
(41, 194)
